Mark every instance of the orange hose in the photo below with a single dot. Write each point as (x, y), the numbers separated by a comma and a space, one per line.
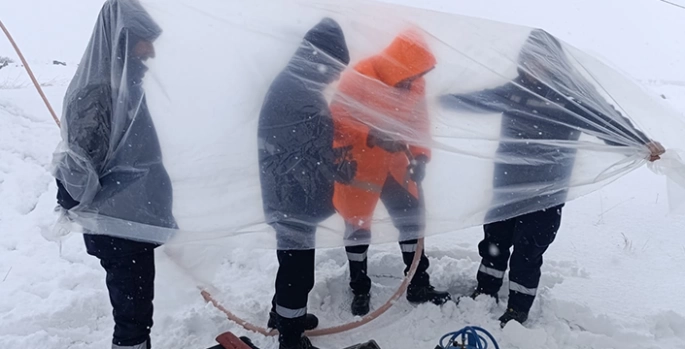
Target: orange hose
(335, 329)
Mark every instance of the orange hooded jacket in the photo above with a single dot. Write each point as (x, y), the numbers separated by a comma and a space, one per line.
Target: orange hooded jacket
(368, 96)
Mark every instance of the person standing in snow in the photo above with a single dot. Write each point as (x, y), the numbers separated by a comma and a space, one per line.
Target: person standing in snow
(377, 103)
(548, 103)
(109, 163)
(298, 167)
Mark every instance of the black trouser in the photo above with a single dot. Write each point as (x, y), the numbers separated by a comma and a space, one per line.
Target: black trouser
(359, 279)
(407, 214)
(530, 235)
(130, 268)
(294, 280)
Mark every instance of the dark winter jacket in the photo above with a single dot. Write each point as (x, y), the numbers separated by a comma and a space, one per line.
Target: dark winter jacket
(535, 110)
(298, 164)
(110, 160)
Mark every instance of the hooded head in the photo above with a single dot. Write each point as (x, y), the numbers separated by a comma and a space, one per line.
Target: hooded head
(408, 57)
(542, 57)
(543, 60)
(323, 54)
(122, 39)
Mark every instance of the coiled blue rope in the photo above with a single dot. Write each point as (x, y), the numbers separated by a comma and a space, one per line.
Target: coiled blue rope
(470, 339)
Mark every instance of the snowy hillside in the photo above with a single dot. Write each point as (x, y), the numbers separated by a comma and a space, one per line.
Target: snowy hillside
(612, 279)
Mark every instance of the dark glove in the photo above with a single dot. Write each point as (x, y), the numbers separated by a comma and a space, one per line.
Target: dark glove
(385, 142)
(341, 153)
(63, 198)
(345, 171)
(343, 167)
(417, 168)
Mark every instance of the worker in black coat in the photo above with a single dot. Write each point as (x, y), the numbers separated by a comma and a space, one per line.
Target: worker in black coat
(109, 168)
(298, 167)
(544, 112)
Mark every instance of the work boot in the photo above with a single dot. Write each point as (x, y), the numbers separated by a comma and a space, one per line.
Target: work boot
(310, 322)
(512, 314)
(360, 304)
(291, 333)
(144, 345)
(303, 343)
(479, 291)
(425, 294)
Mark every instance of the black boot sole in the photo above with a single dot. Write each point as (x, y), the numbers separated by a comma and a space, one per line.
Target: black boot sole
(310, 324)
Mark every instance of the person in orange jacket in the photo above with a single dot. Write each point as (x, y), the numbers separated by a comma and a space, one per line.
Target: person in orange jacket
(380, 116)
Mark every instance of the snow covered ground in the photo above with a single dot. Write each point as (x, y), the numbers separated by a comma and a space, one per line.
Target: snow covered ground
(613, 278)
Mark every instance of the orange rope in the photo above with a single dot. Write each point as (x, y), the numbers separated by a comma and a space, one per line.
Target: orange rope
(335, 329)
(28, 69)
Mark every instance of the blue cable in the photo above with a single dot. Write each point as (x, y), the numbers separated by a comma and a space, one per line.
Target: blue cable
(470, 339)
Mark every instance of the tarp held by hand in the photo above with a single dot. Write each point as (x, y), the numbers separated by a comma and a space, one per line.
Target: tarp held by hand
(219, 123)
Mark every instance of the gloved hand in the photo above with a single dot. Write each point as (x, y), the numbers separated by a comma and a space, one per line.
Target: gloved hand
(63, 198)
(344, 168)
(656, 150)
(345, 171)
(62, 227)
(384, 141)
(417, 168)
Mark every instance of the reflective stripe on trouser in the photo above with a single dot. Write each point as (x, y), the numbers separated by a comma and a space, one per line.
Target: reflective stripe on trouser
(494, 251)
(421, 278)
(516, 287)
(366, 186)
(137, 346)
(360, 283)
(290, 313)
(521, 298)
(530, 235)
(406, 212)
(408, 247)
(491, 271)
(356, 257)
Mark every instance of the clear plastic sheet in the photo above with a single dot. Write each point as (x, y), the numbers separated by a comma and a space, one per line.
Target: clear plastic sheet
(301, 124)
